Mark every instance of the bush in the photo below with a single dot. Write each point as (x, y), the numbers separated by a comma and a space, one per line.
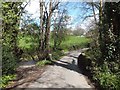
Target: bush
(106, 78)
(8, 61)
(83, 62)
(28, 43)
(105, 73)
(94, 53)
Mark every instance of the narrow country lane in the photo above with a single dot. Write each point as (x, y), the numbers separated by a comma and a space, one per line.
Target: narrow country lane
(64, 74)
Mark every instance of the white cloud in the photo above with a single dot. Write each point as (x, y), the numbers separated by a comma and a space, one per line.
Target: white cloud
(33, 8)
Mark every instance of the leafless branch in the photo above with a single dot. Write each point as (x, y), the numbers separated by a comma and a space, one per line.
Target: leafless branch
(22, 8)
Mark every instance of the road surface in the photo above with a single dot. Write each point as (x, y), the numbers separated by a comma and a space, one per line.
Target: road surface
(63, 74)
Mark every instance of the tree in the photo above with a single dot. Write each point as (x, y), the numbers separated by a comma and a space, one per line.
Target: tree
(45, 24)
(59, 32)
(106, 56)
(111, 33)
(11, 16)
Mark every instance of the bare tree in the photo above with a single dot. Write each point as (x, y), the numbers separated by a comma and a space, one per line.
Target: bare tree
(60, 31)
(46, 11)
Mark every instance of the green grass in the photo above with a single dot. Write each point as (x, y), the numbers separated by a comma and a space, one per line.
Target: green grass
(71, 42)
(30, 43)
(75, 42)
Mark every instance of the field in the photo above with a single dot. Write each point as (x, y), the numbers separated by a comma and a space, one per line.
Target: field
(70, 43)
(75, 42)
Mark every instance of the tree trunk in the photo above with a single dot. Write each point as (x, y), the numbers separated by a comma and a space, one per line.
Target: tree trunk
(100, 25)
(41, 33)
(94, 12)
(47, 32)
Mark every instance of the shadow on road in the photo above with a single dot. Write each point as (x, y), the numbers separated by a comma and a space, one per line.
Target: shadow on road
(71, 66)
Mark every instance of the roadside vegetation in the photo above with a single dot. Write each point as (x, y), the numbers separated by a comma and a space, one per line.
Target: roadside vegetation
(29, 45)
(43, 63)
(23, 39)
(104, 50)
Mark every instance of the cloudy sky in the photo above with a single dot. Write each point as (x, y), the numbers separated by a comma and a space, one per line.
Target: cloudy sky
(76, 11)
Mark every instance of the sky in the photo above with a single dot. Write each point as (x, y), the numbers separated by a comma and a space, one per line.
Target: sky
(75, 11)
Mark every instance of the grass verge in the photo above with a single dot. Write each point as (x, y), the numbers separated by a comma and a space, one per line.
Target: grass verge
(4, 80)
(43, 63)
